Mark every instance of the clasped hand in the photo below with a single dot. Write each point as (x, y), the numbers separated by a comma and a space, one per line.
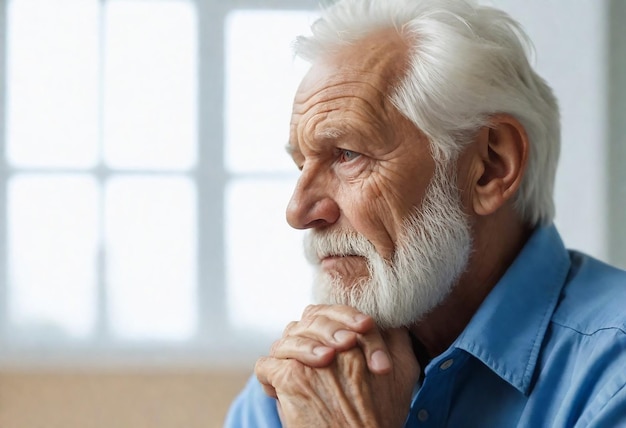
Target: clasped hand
(335, 368)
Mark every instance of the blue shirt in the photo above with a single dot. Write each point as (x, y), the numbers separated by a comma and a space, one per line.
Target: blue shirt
(547, 348)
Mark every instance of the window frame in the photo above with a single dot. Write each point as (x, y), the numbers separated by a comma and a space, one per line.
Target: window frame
(3, 173)
(216, 343)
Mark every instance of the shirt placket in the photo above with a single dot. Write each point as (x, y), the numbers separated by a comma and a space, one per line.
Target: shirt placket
(431, 402)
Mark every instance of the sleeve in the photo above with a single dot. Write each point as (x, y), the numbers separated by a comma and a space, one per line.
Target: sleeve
(253, 409)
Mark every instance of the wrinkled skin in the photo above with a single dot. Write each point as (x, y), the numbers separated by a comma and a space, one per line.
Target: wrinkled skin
(364, 166)
(335, 387)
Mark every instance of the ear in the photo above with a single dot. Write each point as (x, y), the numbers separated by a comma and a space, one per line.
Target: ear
(502, 155)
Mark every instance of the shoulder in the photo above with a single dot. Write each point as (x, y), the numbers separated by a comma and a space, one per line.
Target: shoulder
(253, 409)
(593, 298)
(584, 353)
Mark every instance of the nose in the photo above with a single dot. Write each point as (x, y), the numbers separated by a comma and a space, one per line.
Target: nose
(311, 204)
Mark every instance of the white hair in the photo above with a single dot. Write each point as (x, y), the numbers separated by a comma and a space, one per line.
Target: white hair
(467, 62)
(431, 254)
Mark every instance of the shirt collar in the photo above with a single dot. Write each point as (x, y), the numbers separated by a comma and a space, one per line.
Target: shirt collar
(507, 331)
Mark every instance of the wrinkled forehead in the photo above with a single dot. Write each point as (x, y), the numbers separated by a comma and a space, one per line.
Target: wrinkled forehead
(379, 60)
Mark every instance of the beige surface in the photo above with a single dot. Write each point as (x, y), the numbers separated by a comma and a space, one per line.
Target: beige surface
(116, 399)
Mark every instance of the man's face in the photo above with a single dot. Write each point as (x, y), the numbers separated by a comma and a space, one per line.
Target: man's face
(430, 255)
(365, 168)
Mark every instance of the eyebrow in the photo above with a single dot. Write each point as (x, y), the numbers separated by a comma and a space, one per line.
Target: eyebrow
(330, 133)
(324, 134)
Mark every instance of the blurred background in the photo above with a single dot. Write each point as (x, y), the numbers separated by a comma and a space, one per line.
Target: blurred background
(145, 262)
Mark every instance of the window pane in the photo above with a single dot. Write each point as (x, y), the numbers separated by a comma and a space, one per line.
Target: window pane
(150, 229)
(261, 79)
(52, 251)
(269, 281)
(150, 73)
(52, 82)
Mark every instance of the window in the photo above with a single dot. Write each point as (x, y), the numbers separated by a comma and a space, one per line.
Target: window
(260, 176)
(145, 177)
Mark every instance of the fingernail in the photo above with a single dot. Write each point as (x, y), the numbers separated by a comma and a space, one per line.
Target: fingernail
(360, 318)
(380, 361)
(342, 336)
(320, 351)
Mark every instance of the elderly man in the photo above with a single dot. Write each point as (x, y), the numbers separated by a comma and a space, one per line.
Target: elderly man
(427, 147)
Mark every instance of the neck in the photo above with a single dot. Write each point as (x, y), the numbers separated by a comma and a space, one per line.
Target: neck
(497, 242)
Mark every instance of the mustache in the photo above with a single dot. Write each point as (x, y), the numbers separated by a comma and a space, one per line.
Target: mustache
(339, 243)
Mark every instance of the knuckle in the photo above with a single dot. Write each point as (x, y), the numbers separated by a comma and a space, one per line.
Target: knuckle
(275, 347)
(293, 369)
(291, 347)
(290, 374)
(259, 366)
(308, 322)
(353, 360)
(302, 343)
(310, 310)
(289, 327)
(310, 317)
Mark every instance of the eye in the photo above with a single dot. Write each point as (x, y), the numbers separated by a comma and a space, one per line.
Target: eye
(348, 155)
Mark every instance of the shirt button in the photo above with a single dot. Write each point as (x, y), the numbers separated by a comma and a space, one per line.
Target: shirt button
(446, 364)
(423, 415)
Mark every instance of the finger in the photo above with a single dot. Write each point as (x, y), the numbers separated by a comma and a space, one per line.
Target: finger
(313, 342)
(289, 327)
(275, 374)
(308, 351)
(346, 315)
(376, 352)
(401, 351)
(261, 370)
(335, 326)
(325, 331)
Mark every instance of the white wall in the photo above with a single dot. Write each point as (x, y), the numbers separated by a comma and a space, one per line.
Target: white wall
(571, 41)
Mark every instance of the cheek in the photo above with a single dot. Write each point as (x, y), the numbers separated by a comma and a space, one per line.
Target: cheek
(394, 199)
(375, 210)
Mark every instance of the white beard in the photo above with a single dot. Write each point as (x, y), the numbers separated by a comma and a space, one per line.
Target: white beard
(431, 253)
